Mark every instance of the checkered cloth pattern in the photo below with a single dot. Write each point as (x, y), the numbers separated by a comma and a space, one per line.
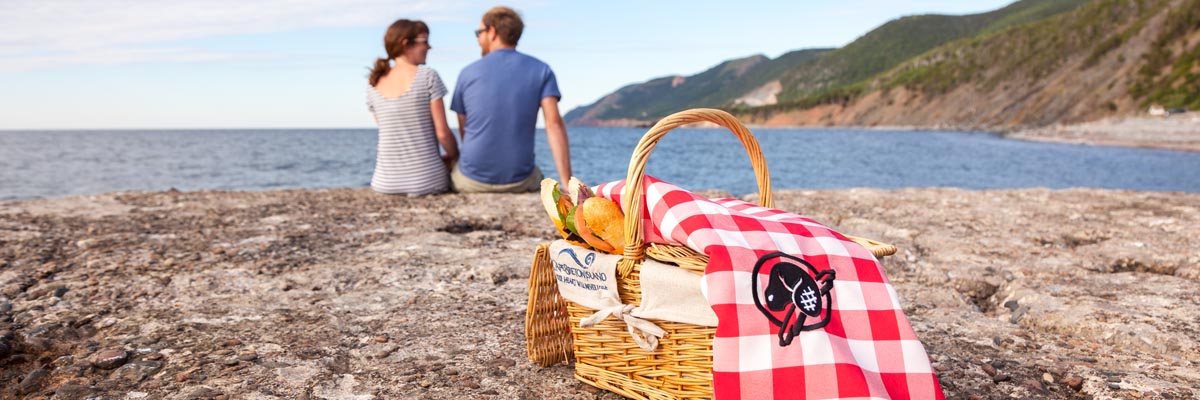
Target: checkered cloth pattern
(867, 350)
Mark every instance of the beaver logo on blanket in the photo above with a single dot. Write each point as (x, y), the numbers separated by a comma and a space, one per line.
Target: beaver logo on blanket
(796, 294)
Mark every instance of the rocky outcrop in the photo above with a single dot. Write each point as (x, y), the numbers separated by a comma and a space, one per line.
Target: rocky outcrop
(347, 294)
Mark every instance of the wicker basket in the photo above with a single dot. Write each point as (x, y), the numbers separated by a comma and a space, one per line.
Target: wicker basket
(606, 356)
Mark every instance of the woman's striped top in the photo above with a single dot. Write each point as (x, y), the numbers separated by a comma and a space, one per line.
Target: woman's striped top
(408, 159)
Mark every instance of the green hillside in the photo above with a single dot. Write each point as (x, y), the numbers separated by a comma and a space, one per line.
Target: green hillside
(1167, 76)
(718, 85)
(843, 73)
(810, 77)
(1179, 87)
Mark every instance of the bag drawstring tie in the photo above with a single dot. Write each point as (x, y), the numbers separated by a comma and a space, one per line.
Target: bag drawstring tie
(644, 332)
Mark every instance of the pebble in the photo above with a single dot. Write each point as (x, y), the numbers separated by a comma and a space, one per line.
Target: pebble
(1114, 386)
(223, 352)
(990, 370)
(386, 351)
(231, 362)
(1074, 382)
(1001, 378)
(231, 342)
(136, 371)
(73, 390)
(32, 381)
(451, 372)
(1047, 377)
(63, 362)
(202, 393)
(110, 359)
(251, 356)
(381, 339)
(1034, 385)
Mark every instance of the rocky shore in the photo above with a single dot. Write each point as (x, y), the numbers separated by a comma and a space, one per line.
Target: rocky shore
(345, 294)
(1177, 132)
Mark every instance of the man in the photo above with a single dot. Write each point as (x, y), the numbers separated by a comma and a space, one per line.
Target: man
(497, 100)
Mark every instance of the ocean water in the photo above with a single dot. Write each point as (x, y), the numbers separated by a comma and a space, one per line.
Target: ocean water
(36, 164)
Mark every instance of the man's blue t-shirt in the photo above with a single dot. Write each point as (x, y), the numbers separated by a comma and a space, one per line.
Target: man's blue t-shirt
(500, 94)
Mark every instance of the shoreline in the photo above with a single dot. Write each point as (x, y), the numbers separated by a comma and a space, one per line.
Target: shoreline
(346, 294)
(1177, 132)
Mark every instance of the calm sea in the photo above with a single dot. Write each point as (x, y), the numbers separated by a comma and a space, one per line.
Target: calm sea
(60, 163)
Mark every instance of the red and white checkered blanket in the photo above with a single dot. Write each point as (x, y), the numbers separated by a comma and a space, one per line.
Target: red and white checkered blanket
(788, 328)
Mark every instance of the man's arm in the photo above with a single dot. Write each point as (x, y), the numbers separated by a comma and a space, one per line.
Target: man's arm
(556, 135)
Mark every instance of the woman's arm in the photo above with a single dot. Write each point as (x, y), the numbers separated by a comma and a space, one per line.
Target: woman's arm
(444, 135)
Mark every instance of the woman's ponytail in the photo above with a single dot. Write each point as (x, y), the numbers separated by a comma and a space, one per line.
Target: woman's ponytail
(382, 66)
(393, 43)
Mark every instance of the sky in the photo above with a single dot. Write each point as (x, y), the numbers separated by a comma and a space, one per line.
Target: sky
(132, 64)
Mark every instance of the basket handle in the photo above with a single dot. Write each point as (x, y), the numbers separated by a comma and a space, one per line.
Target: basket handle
(631, 196)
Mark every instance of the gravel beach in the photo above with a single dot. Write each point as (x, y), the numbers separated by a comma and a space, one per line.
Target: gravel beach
(346, 294)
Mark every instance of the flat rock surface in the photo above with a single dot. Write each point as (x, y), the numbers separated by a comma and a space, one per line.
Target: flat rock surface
(346, 294)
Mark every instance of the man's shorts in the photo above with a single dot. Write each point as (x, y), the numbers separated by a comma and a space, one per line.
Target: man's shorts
(462, 184)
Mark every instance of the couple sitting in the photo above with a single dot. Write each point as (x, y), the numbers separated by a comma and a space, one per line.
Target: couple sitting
(497, 100)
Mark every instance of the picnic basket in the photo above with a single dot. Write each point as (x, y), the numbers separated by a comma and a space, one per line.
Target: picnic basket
(606, 356)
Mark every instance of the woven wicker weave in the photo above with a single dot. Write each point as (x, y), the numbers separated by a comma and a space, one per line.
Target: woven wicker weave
(547, 335)
(606, 356)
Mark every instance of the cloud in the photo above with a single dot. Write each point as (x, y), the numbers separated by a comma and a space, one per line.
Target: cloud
(40, 33)
(115, 56)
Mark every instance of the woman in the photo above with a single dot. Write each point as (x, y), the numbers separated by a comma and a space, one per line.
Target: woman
(406, 100)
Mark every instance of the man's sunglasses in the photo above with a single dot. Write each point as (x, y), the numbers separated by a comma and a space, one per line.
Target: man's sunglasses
(480, 31)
